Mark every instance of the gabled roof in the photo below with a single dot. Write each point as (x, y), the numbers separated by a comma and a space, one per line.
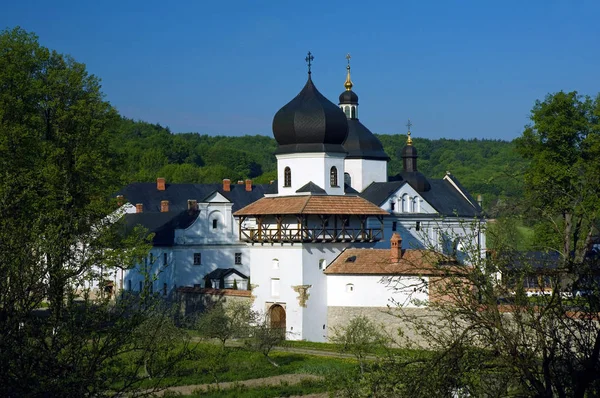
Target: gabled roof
(317, 204)
(178, 195)
(163, 225)
(443, 196)
(378, 262)
(223, 272)
(312, 188)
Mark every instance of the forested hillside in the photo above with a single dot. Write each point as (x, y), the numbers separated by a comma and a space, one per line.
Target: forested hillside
(490, 168)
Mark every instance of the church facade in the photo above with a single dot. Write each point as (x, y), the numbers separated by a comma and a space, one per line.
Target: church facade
(323, 235)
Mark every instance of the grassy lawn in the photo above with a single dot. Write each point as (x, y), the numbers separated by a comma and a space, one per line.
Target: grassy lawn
(281, 390)
(239, 364)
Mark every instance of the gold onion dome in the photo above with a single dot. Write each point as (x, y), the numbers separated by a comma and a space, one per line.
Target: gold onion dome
(348, 96)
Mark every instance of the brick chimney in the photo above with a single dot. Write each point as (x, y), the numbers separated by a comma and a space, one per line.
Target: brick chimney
(396, 248)
(139, 208)
(248, 185)
(226, 185)
(120, 200)
(164, 206)
(160, 184)
(240, 182)
(192, 204)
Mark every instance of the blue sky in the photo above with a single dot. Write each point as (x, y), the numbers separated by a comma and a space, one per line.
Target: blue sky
(457, 69)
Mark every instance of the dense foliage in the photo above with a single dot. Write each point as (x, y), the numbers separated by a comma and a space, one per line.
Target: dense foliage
(491, 168)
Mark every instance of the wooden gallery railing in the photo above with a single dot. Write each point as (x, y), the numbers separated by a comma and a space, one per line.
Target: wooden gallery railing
(306, 234)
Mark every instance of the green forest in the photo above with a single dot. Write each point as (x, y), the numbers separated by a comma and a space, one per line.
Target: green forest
(492, 168)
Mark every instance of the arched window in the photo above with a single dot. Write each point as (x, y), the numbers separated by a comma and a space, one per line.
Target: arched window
(287, 177)
(349, 288)
(416, 208)
(353, 112)
(333, 177)
(275, 263)
(322, 264)
(347, 111)
(405, 203)
(347, 179)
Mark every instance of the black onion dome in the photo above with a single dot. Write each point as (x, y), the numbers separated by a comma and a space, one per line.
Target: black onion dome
(362, 144)
(349, 97)
(310, 123)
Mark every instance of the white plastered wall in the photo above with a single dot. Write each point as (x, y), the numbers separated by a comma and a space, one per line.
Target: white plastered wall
(306, 167)
(365, 171)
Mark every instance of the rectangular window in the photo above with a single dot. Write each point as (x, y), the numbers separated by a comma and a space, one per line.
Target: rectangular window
(165, 258)
(197, 258)
(394, 225)
(275, 287)
(238, 258)
(418, 226)
(215, 223)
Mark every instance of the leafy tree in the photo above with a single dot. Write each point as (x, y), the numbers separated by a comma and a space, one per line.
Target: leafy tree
(58, 171)
(224, 322)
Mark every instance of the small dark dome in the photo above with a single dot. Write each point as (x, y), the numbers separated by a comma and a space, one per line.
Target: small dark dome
(310, 123)
(362, 144)
(410, 173)
(349, 97)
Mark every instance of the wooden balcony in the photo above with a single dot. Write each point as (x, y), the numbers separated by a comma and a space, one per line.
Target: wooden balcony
(310, 235)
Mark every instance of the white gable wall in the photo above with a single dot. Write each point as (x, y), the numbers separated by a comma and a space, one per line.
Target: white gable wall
(365, 171)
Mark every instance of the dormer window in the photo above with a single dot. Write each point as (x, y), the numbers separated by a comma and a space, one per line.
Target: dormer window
(287, 177)
(333, 177)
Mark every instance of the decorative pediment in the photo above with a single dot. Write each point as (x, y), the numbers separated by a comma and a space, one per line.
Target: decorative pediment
(216, 197)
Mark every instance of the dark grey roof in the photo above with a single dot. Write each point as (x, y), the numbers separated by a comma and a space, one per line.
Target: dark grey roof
(273, 190)
(163, 225)
(362, 144)
(312, 188)
(444, 198)
(310, 123)
(147, 194)
(223, 272)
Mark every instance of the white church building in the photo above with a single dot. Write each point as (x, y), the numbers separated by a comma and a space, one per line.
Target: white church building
(321, 237)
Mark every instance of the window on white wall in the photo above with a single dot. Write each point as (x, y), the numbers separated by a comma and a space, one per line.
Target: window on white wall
(238, 258)
(405, 203)
(349, 288)
(416, 205)
(215, 223)
(197, 258)
(274, 287)
(322, 264)
(333, 177)
(287, 177)
(165, 257)
(275, 263)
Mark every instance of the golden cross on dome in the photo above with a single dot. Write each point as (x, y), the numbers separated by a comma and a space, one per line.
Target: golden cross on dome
(408, 140)
(309, 58)
(348, 83)
(348, 58)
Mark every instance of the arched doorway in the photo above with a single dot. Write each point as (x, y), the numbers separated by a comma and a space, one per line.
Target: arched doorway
(277, 317)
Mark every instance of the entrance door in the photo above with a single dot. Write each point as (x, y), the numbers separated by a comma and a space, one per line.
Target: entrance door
(277, 317)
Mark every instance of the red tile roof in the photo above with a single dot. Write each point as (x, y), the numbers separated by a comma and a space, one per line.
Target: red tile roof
(309, 204)
(378, 262)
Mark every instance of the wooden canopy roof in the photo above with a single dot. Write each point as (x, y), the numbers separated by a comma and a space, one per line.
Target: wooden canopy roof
(312, 204)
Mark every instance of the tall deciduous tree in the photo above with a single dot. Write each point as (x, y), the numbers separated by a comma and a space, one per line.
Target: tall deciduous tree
(57, 176)
(562, 180)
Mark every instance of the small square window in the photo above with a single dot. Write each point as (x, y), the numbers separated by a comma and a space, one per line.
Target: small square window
(238, 258)
(394, 225)
(215, 223)
(197, 258)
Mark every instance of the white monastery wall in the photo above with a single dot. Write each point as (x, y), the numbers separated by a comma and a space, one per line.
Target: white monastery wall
(375, 291)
